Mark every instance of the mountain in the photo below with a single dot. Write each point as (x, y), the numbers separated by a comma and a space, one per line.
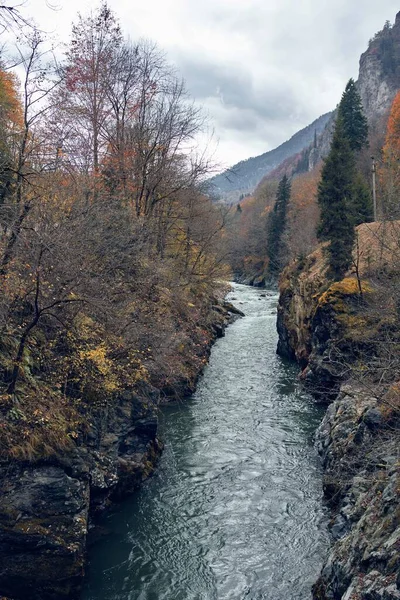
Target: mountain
(243, 177)
(378, 83)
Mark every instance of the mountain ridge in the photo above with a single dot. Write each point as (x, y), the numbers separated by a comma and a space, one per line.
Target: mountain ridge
(244, 177)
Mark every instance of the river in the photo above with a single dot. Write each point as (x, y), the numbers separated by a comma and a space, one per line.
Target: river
(234, 511)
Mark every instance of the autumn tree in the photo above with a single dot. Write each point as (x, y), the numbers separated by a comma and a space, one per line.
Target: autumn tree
(32, 155)
(303, 215)
(107, 242)
(276, 226)
(125, 116)
(389, 171)
(10, 129)
(335, 196)
(83, 96)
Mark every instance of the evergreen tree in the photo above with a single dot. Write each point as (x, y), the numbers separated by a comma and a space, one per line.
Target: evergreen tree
(362, 206)
(335, 198)
(276, 226)
(354, 121)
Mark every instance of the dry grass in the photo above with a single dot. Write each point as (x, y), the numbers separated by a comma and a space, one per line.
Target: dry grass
(37, 423)
(379, 245)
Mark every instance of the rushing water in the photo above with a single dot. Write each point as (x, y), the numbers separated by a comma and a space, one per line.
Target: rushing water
(234, 511)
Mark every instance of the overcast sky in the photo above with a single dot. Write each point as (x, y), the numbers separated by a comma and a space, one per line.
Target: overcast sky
(263, 69)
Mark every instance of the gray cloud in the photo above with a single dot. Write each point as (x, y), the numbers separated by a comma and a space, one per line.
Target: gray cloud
(235, 88)
(262, 68)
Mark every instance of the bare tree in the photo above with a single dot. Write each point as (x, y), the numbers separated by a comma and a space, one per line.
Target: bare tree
(32, 155)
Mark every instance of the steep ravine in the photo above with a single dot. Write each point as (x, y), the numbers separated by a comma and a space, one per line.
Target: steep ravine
(234, 509)
(46, 503)
(326, 329)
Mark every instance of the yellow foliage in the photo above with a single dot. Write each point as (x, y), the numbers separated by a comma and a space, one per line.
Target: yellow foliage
(98, 356)
(347, 287)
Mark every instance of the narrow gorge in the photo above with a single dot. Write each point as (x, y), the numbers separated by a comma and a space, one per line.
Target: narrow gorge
(234, 509)
(165, 434)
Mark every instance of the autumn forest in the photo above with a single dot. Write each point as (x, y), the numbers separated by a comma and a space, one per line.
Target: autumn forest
(115, 253)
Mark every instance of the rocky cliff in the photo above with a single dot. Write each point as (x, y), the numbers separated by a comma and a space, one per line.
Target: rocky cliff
(379, 74)
(359, 450)
(45, 505)
(345, 337)
(378, 82)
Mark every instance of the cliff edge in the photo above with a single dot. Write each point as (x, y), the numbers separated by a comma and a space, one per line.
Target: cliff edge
(345, 337)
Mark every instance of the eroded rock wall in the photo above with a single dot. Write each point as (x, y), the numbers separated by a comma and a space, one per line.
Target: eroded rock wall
(362, 482)
(334, 330)
(45, 506)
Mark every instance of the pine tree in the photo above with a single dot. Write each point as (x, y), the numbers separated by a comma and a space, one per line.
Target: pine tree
(362, 208)
(335, 197)
(351, 112)
(276, 226)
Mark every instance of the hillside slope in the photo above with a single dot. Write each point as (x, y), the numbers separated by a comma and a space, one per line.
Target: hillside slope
(245, 176)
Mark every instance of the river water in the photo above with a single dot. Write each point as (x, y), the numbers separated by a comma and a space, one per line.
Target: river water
(234, 511)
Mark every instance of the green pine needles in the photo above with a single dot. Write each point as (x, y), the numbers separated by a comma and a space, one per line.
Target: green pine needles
(343, 197)
(276, 227)
(354, 121)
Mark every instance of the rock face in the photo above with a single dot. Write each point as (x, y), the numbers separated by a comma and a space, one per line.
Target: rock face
(378, 82)
(378, 79)
(356, 440)
(46, 505)
(44, 514)
(45, 508)
(329, 330)
(309, 327)
(362, 479)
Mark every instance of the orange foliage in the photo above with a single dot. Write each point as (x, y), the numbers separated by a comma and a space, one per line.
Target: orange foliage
(303, 214)
(392, 142)
(304, 189)
(10, 105)
(388, 171)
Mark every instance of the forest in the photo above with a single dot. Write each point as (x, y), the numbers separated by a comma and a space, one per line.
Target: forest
(110, 252)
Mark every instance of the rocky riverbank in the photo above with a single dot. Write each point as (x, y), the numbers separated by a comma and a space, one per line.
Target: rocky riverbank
(47, 500)
(359, 447)
(344, 336)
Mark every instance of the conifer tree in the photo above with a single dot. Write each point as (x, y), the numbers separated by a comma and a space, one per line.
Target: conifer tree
(362, 208)
(351, 112)
(276, 226)
(335, 197)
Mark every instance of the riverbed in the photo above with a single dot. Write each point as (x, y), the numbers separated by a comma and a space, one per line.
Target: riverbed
(234, 511)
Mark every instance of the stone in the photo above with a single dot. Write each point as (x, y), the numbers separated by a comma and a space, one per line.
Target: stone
(373, 418)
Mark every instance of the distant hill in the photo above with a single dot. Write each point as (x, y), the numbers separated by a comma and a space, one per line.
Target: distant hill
(244, 177)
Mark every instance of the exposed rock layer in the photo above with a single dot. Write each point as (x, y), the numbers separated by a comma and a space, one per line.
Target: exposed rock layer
(362, 482)
(326, 328)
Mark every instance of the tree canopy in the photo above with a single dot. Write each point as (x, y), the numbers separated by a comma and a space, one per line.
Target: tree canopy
(276, 226)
